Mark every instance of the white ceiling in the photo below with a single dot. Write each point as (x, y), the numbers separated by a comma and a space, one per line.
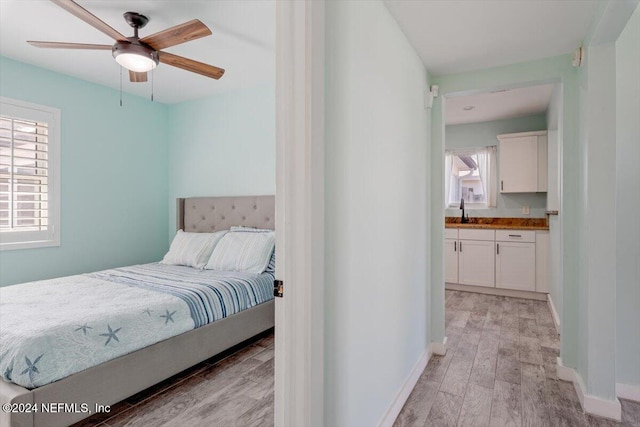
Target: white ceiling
(455, 36)
(498, 105)
(243, 42)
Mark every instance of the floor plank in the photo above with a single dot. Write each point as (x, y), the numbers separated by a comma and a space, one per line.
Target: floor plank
(534, 411)
(476, 407)
(232, 389)
(418, 404)
(518, 338)
(506, 406)
(444, 411)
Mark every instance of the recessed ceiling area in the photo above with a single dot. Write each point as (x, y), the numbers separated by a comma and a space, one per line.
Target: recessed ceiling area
(456, 36)
(498, 105)
(243, 43)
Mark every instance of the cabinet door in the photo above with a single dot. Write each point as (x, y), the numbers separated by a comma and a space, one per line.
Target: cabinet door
(516, 266)
(542, 261)
(519, 164)
(476, 260)
(451, 260)
(542, 163)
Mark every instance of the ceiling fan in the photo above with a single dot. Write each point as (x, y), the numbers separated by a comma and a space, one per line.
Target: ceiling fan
(136, 54)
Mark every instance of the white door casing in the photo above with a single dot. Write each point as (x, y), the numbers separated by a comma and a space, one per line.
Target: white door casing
(299, 352)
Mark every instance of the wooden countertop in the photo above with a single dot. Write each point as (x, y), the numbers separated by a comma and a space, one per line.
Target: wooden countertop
(498, 223)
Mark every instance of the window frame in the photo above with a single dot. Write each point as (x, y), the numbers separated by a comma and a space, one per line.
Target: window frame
(468, 151)
(471, 205)
(467, 205)
(18, 109)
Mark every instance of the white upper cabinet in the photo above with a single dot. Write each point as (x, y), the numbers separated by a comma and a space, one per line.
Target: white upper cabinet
(523, 162)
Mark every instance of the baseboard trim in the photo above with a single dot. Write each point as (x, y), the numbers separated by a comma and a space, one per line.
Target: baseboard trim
(439, 348)
(629, 392)
(564, 373)
(590, 404)
(554, 313)
(496, 291)
(393, 411)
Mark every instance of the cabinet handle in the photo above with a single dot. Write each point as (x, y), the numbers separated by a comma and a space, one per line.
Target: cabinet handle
(501, 185)
(515, 235)
(460, 246)
(498, 248)
(455, 246)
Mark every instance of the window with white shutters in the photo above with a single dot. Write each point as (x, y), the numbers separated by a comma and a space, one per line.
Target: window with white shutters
(29, 175)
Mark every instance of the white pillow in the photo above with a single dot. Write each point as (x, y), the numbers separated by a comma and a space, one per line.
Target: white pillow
(192, 249)
(246, 251)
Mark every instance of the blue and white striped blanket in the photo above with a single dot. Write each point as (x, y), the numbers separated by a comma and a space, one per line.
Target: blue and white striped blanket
(53, 328)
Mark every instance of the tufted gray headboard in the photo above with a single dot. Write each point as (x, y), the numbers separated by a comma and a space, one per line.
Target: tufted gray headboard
(209, 214)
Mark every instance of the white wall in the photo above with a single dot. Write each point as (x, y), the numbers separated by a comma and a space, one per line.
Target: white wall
(377, 212)
(628, 202)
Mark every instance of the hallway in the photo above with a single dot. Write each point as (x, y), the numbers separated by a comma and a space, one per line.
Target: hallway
(499, 370)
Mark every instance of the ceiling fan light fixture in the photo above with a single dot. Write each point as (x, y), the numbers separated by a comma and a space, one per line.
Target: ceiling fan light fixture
(135, 57)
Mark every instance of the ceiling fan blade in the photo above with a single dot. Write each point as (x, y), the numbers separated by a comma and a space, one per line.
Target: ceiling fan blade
(80, 12)
(190, 65)
(137, 77)
(188, 31)
(63, 45)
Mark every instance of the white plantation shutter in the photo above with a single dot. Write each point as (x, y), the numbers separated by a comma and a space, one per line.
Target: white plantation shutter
(28, 175)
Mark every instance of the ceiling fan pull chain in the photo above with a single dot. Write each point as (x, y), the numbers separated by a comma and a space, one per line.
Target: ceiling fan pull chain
(152, 73)
(121, 86)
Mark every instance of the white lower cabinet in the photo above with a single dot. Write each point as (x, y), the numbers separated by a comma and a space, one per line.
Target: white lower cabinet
(516, 259)
(516, 266)
(475, 263)
(476, 257)
(501, 258)
(451, 260)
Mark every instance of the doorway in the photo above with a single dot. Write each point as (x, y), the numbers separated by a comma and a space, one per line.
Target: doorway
(476, 124)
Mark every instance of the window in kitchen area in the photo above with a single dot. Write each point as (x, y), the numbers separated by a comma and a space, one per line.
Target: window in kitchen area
(470, 174)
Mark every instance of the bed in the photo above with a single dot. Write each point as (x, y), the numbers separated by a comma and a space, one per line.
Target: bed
(113, 380)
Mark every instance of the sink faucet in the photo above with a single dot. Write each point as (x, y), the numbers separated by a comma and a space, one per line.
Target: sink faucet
(463, 220)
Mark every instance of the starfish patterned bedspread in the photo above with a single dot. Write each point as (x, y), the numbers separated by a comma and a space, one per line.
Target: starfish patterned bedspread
(51, 329)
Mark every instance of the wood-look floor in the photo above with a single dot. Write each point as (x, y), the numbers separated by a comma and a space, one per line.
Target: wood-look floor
(499, 370)
(231, 389)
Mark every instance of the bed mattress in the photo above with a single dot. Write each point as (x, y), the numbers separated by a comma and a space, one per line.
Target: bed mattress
(53, 328)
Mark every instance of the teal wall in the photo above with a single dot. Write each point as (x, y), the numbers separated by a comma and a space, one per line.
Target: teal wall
(113, 179)
(118, 187)
(597, 315)
(221, 146)
(554, 140)
(484, 134)
(628, 203)
(549, 70)
(377, 287)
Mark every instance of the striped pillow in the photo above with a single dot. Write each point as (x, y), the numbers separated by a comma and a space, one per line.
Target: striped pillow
(192, 249)
(246, 251)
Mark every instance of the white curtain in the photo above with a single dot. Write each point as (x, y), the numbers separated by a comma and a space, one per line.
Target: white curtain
(448, 165)
(488, 175)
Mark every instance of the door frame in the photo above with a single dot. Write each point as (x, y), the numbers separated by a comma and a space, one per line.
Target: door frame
(466, 88)
(299, 337)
